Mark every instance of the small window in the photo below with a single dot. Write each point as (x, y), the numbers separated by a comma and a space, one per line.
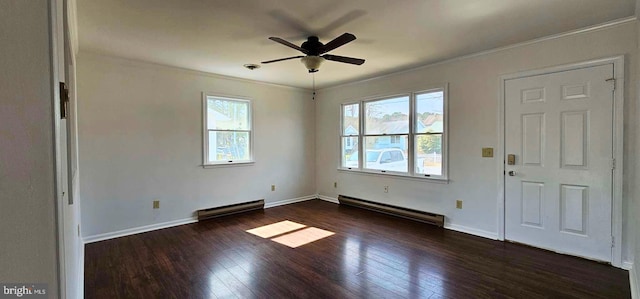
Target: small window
(227, 131)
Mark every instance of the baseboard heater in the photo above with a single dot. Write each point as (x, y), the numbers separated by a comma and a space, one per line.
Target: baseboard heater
(421, 216)
(230, 209)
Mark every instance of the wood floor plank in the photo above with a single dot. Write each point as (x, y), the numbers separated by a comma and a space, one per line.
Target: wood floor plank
(370, 255)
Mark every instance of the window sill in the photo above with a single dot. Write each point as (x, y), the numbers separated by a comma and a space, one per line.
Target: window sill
(233, 164)
(395, 175)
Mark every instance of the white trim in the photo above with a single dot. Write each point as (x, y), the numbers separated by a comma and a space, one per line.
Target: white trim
(205, 130)
(397, 175)
(137, 230)
(633, 282)
(500, 160)
(328, 199)
(234, 164)
(80, 281)
(56, 76)
(472, 231)
(618, 126)
(618, 152)
(288, 201)
(627, 265)
(589, 29)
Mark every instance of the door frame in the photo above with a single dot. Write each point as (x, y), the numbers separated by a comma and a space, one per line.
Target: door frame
(618, 126)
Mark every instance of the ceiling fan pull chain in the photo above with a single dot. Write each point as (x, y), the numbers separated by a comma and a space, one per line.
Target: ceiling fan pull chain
(314, 86)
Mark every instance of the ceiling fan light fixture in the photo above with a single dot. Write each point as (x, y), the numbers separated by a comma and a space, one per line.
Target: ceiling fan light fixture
(312, 63)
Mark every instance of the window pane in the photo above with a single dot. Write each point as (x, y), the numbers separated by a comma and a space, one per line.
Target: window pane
(228, 146)
(429, 154)
(350, 119)
(384, 154)
(350, 152)
(390, 116)
(227, 114)
(429, 112)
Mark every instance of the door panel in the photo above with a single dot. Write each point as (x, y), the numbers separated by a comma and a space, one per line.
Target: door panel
(532, 203)
(532, 139)
(574, 138)
(558, 195)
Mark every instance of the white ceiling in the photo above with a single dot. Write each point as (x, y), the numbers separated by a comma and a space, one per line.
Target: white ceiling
(219, 36)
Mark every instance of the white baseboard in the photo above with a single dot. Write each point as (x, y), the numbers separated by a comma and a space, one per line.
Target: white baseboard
(328, 198)
(80, 280)
(157, 226)
(137, 230)
(289, 201)
(472, 231)
(627, 265)
(633, 281)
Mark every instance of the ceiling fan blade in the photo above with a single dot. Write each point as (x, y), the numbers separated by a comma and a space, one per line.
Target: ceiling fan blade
(281, 59)
(337, 58)
(337, 42)
(288, 44)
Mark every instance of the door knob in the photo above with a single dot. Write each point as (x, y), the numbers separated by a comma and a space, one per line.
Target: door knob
(512, 173)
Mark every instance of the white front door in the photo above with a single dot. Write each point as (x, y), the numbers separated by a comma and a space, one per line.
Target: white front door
(558, 192)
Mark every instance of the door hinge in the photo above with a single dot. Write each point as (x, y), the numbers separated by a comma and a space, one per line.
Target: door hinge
(612, 80)
(613, 242)
(64, 100)
(613, 164)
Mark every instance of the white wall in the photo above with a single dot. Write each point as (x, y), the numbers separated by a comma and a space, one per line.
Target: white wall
(635, 281)
(27, 181)
(473, 121)
(140, 138)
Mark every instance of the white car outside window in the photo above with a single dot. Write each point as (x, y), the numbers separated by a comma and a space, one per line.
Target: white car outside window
(389, 159)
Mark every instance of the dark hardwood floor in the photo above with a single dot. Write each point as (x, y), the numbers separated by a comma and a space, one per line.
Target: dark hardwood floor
(371, 255)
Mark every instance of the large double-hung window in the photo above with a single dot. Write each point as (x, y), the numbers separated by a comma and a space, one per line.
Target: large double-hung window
(400, 135)
(227, 131)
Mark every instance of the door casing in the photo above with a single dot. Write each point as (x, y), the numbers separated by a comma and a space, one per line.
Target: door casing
(618, 124)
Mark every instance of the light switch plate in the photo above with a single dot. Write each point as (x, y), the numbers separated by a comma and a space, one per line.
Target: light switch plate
(487, 152)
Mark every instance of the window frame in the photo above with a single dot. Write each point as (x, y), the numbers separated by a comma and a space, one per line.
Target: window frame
(411, 136)
(364, 135)
(342, 135)
(206, 163)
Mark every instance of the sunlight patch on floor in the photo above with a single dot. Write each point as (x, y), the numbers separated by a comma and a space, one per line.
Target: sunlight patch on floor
(278, 228)
(290, 233)
(302, 237)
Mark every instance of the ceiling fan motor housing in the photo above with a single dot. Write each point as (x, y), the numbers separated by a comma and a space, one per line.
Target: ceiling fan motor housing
(313, 45)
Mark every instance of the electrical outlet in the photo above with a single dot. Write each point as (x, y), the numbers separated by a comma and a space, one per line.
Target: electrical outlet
(156, 204)
(273, 187)
(458, 204)
(335, 184)
(386, 189)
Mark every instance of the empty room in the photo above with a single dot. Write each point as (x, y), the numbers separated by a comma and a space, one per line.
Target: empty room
(319, 149)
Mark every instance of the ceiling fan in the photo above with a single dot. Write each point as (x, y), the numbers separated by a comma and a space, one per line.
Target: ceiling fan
(314, 51)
